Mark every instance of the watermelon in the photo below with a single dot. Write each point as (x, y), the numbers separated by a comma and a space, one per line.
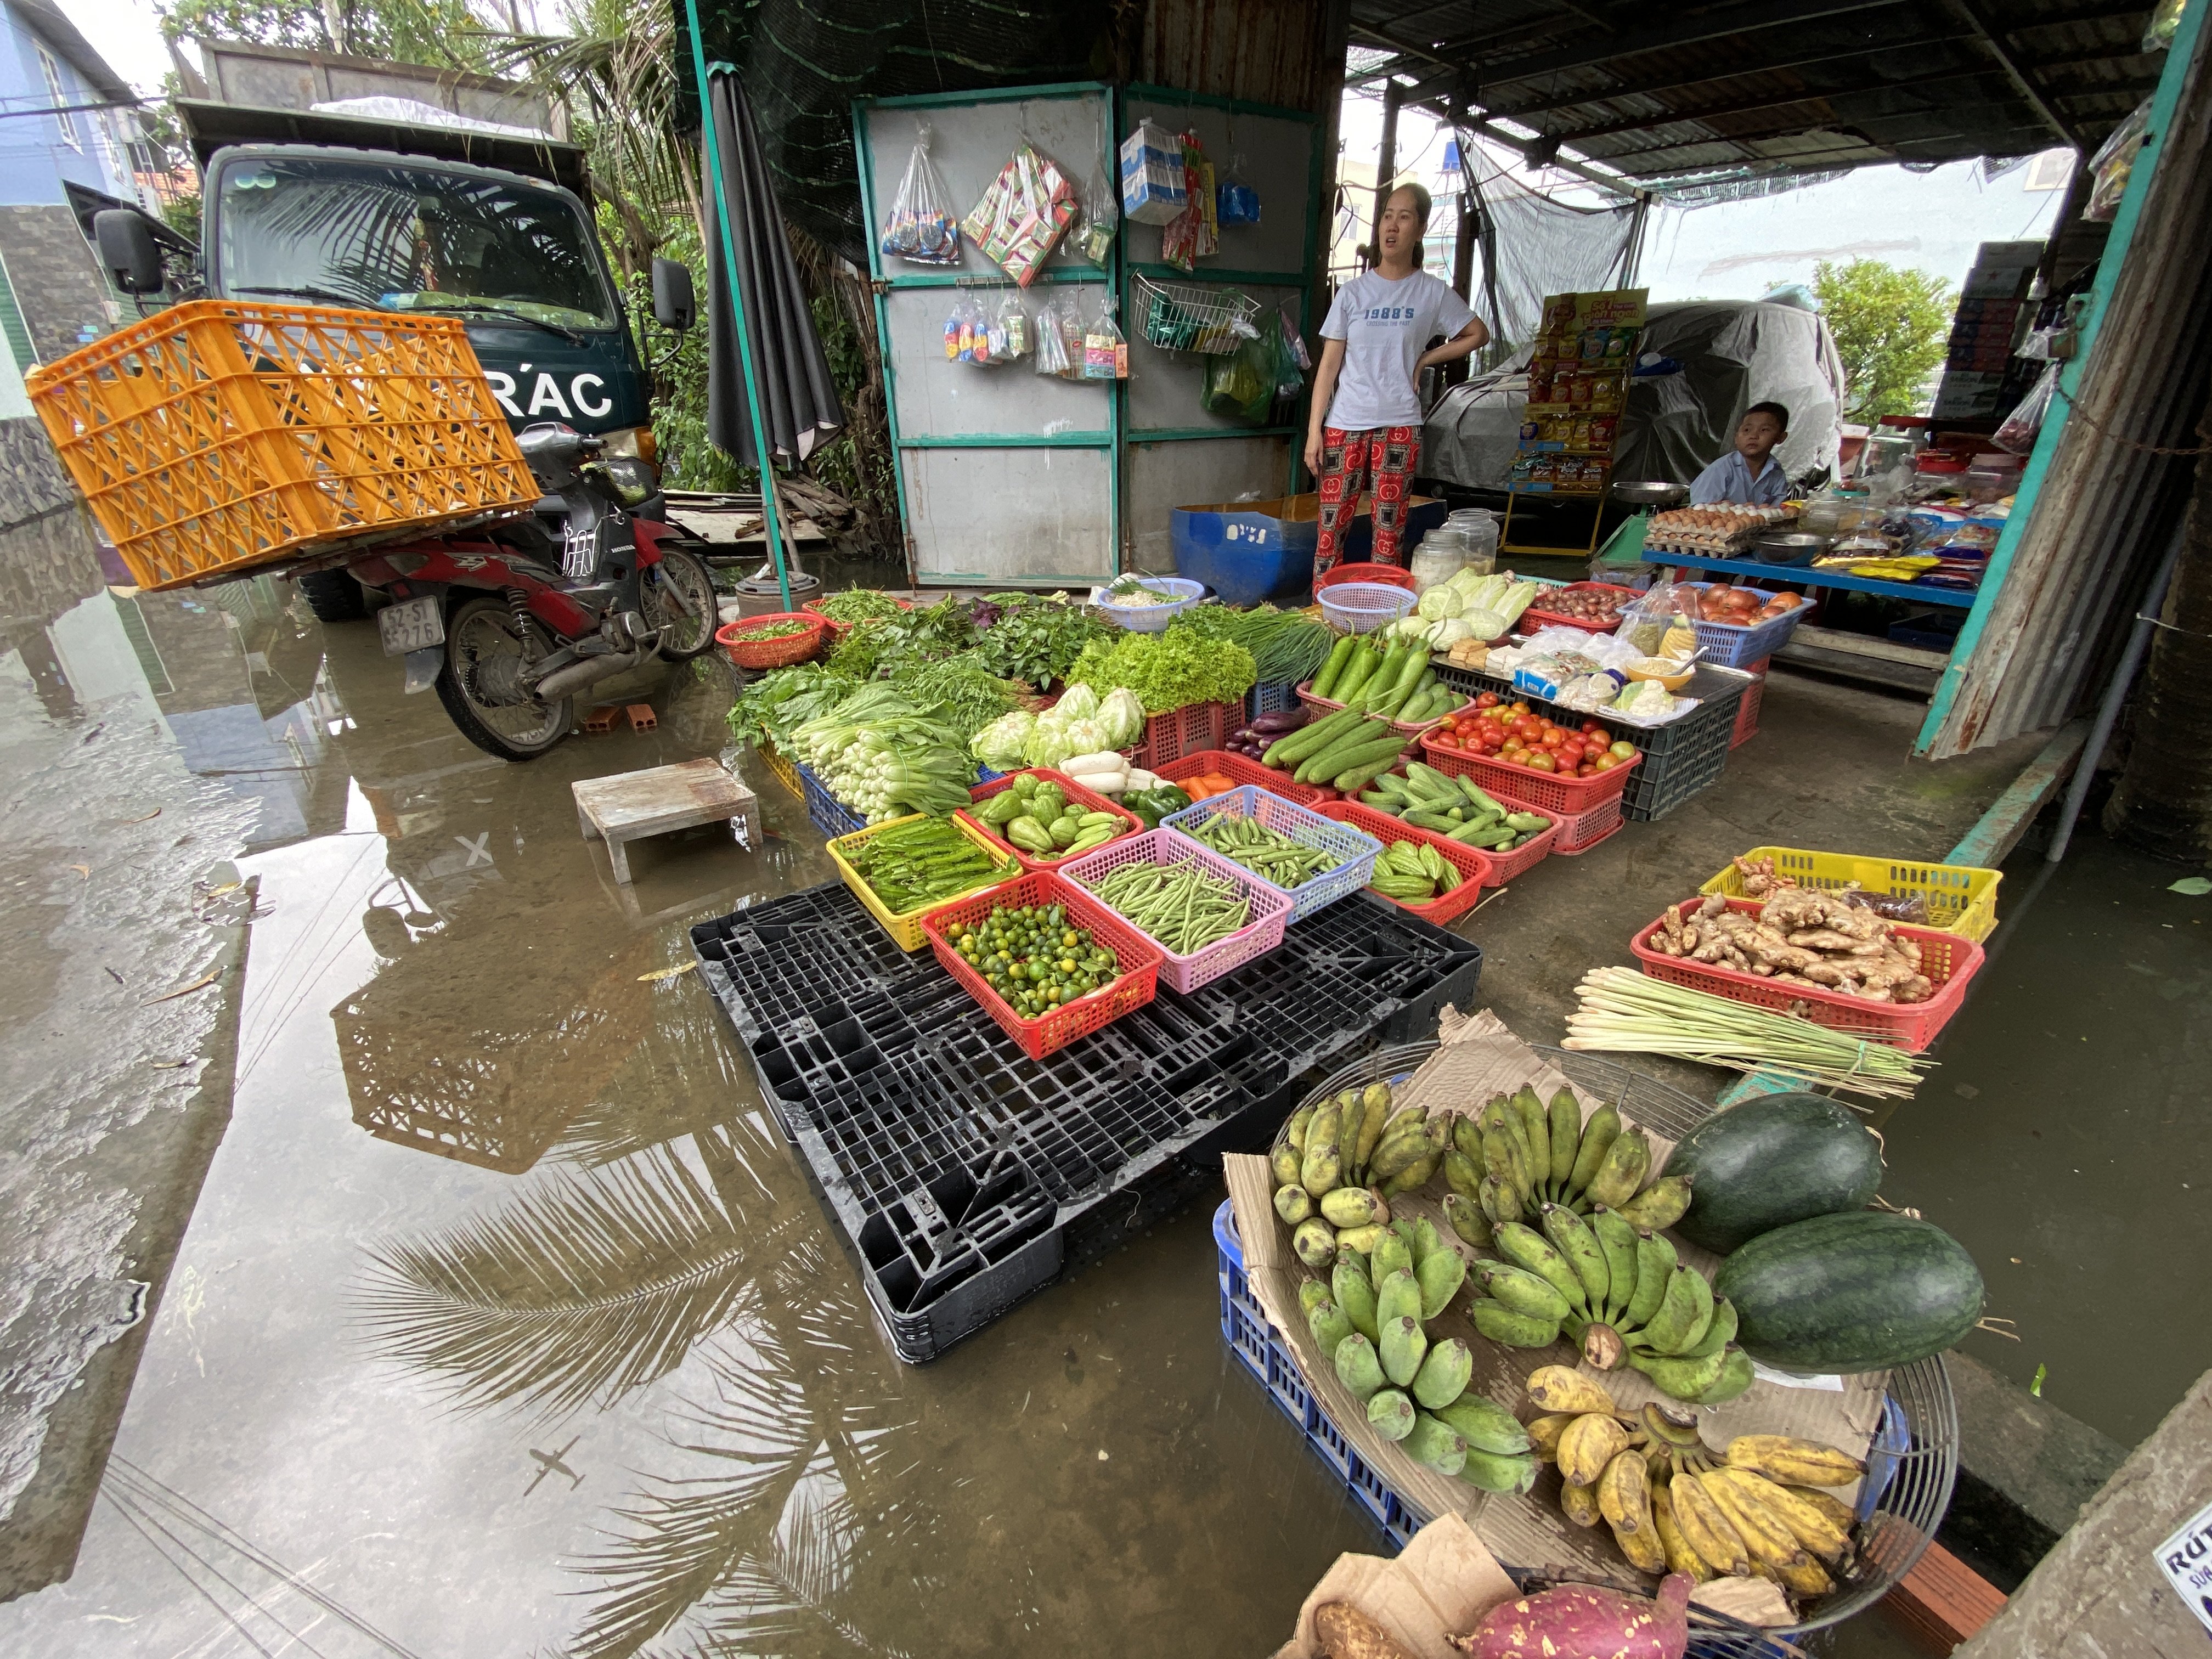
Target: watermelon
(1860, 1291)
(1772, 1160)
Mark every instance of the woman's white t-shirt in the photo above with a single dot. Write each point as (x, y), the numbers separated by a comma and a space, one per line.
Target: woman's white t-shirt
(1385, 326)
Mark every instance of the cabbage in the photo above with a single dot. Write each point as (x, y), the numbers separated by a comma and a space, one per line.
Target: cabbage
(1078, 702)
(1438, 603)
(999, 745)
(1449, 632)
(1055, 739)
(1485, 625)
(1414, 627)
(1121, 716)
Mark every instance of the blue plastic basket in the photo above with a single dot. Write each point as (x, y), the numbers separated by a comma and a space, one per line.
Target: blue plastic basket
(824, 810)
(1271, 697)
(1727, 645)
(1305, 827)
(1181, 593)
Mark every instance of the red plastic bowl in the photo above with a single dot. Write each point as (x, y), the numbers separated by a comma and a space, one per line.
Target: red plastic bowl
(1390, 575)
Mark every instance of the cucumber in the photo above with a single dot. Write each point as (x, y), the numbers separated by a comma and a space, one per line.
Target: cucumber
(1368, 737)
(1307, 740)
(1860, 1291)
(1770, 1161)
(1332, 670)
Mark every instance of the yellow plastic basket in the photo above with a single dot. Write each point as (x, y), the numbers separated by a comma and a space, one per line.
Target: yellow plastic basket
(781, 769)
(1961, 899)
(222, 436)
(905, 930)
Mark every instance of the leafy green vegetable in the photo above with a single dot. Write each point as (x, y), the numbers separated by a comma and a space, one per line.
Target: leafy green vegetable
(1285, 645)
(773, 706)
(901, 644)
(1036, 638)
(966, 696)
(858, 604)
(1169, 669)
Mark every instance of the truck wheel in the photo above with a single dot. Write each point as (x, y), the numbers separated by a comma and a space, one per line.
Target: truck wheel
(480, 689)
(333, 595)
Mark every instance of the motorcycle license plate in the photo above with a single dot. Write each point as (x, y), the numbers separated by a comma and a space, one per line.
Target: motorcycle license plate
(410, 625)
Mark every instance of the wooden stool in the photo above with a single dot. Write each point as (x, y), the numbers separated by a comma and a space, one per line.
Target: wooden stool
(631, 806)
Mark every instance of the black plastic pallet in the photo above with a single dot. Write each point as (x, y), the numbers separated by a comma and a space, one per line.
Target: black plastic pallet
(965, 1175)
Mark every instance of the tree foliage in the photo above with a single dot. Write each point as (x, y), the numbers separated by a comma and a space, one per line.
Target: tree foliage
(1890, 327)
(446, 32)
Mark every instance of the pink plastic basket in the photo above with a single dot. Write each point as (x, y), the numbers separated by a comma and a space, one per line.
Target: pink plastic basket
(1271, 906)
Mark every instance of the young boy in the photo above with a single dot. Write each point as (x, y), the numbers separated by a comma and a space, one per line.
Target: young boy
(1748, 474)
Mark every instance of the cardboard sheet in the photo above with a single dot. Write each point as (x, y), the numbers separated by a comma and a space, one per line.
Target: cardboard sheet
(1480, 1058)
(1440, 1584)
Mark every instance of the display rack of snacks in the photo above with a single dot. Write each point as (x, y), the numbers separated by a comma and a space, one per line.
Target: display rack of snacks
(1577, 388)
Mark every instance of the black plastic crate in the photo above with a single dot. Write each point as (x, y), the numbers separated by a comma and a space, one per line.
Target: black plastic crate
(1680, 758)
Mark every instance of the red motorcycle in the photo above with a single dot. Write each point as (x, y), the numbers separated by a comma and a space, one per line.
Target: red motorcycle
(511, 619)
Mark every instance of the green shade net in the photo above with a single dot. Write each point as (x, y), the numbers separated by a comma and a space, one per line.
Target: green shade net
(803, 64)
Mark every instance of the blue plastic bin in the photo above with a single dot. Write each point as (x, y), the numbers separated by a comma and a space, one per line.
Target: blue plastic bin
(1247, 551)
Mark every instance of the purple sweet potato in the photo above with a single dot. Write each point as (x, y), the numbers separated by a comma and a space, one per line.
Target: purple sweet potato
(1579, 1621)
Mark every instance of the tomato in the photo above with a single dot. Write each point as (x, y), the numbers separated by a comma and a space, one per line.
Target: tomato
(1586, 771)
(1604, 762)
(1486, 699)
(1542, 761)
(1598, 737)
(1624, 750)
(1550, 740)
(1445, 739)
(1571, 753)
(1520, 707)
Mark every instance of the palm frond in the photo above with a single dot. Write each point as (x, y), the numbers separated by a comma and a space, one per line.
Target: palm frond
(583, 1286)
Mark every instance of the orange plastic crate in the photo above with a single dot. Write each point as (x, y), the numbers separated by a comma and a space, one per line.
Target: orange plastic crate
(221, 435)
(1562, 797)
(1472, 864)
(1242, 769)
(1089, 801)
(1136, 956)
(1948, 961)
(1585, 829)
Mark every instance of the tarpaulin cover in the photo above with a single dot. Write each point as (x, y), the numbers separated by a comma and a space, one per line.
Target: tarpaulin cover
(1531, 246)
(798, 400)
(1734, 353)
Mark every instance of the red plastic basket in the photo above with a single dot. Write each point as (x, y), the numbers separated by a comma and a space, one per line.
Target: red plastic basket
(1565, 798)
(1747, 708)
(1393, 576)
(1240, 769)
(1137, 956)
(1536, 616)
(1586, 829)
(1474, 866)
(1168, 737)
(778, 653)
(839, 629)
(1947, 960)
(1271, 906)
(1326, 706)
(1089, 800)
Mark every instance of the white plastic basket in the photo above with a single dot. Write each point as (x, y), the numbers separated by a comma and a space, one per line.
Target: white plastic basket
(1194, 316)
(1180, 592)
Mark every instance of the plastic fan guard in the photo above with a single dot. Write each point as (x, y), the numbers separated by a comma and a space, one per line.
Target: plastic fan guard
(1089, 800)
(1303, 825)
(1472, 864)
(1363, 607)
(1136, 957)
(1948, 961)
(1271, 906)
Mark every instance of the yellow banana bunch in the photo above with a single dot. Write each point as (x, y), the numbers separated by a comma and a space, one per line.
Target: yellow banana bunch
(1793, 1462)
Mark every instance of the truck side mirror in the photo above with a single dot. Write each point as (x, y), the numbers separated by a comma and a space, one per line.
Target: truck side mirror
(127, 250)
(674, 305)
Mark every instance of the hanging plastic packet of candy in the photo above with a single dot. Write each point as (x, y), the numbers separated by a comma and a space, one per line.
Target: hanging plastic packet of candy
(968, 335)
(1105, 352)
(1093, 234)
(1024, 214)
(1235, 202)
(1051, 342)
(1010, 329)
(920, 226)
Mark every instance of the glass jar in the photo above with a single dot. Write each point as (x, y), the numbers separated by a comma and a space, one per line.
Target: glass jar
(1438, 559)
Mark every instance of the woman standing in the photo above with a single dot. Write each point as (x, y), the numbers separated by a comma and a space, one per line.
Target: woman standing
(1366, 401)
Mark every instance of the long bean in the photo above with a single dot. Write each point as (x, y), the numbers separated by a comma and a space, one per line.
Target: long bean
(1266, 852)
(1180, 905)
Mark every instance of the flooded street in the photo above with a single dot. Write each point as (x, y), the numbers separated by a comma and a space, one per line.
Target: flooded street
(506, 1323)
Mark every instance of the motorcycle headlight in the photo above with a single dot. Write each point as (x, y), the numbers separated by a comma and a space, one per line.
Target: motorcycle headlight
(633, 478)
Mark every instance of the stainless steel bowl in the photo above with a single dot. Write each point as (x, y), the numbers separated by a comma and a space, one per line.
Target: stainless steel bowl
(1792, 547)
(1652, 495)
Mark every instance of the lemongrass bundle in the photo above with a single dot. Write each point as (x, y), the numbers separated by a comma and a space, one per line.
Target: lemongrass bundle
(1621, 1011)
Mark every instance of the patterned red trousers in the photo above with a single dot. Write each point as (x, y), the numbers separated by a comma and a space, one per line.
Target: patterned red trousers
(1347, 460)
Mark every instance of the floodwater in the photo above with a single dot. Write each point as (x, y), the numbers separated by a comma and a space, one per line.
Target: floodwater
(505, 1324)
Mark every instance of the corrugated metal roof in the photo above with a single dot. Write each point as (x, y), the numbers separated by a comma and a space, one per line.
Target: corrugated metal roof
(1653, 94)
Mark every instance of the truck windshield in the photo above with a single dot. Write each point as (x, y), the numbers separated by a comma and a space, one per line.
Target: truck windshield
(395, 238)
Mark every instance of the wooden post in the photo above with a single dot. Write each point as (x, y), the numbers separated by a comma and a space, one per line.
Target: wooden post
(1386, 168)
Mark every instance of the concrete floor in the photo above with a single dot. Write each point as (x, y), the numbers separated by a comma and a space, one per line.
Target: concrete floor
(504, 1321)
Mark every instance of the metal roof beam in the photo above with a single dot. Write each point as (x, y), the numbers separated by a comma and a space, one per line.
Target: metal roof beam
(2022, 76)
(1889, 152)
(1718, 111)
(2101, 13)
(1679, 32)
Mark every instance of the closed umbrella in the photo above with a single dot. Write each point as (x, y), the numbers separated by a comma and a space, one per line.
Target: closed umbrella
(771, 398)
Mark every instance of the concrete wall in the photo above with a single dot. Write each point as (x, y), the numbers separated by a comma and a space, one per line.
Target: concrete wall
(57, 284)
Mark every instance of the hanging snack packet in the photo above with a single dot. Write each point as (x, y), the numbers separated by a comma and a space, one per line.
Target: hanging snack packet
(1105, 352)
(1010, 329)
(920, 226)
(1051, 342)
(1023, 215)
(1151, 175)
(1093, 234)
(1235, 202)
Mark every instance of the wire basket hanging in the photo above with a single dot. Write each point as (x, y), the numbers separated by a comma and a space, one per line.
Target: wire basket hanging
(1195, 316)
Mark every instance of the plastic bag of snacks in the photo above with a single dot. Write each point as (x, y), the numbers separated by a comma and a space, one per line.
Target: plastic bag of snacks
(1010, 329)
(1243, 385)
(2163, 22)
(2018, 432)
(1195, 232)
(920, 226)
(1151, 175)
(2110, 166)
(967, 335)
(1053, 356)
(1105, 352)
(1023, 215)
(1235, 202)
(1092, 234)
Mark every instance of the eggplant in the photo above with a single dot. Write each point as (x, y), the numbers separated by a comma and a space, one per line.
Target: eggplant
(1282, 720)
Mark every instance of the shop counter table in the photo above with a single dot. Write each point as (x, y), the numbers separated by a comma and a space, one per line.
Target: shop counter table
(1805, 576)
